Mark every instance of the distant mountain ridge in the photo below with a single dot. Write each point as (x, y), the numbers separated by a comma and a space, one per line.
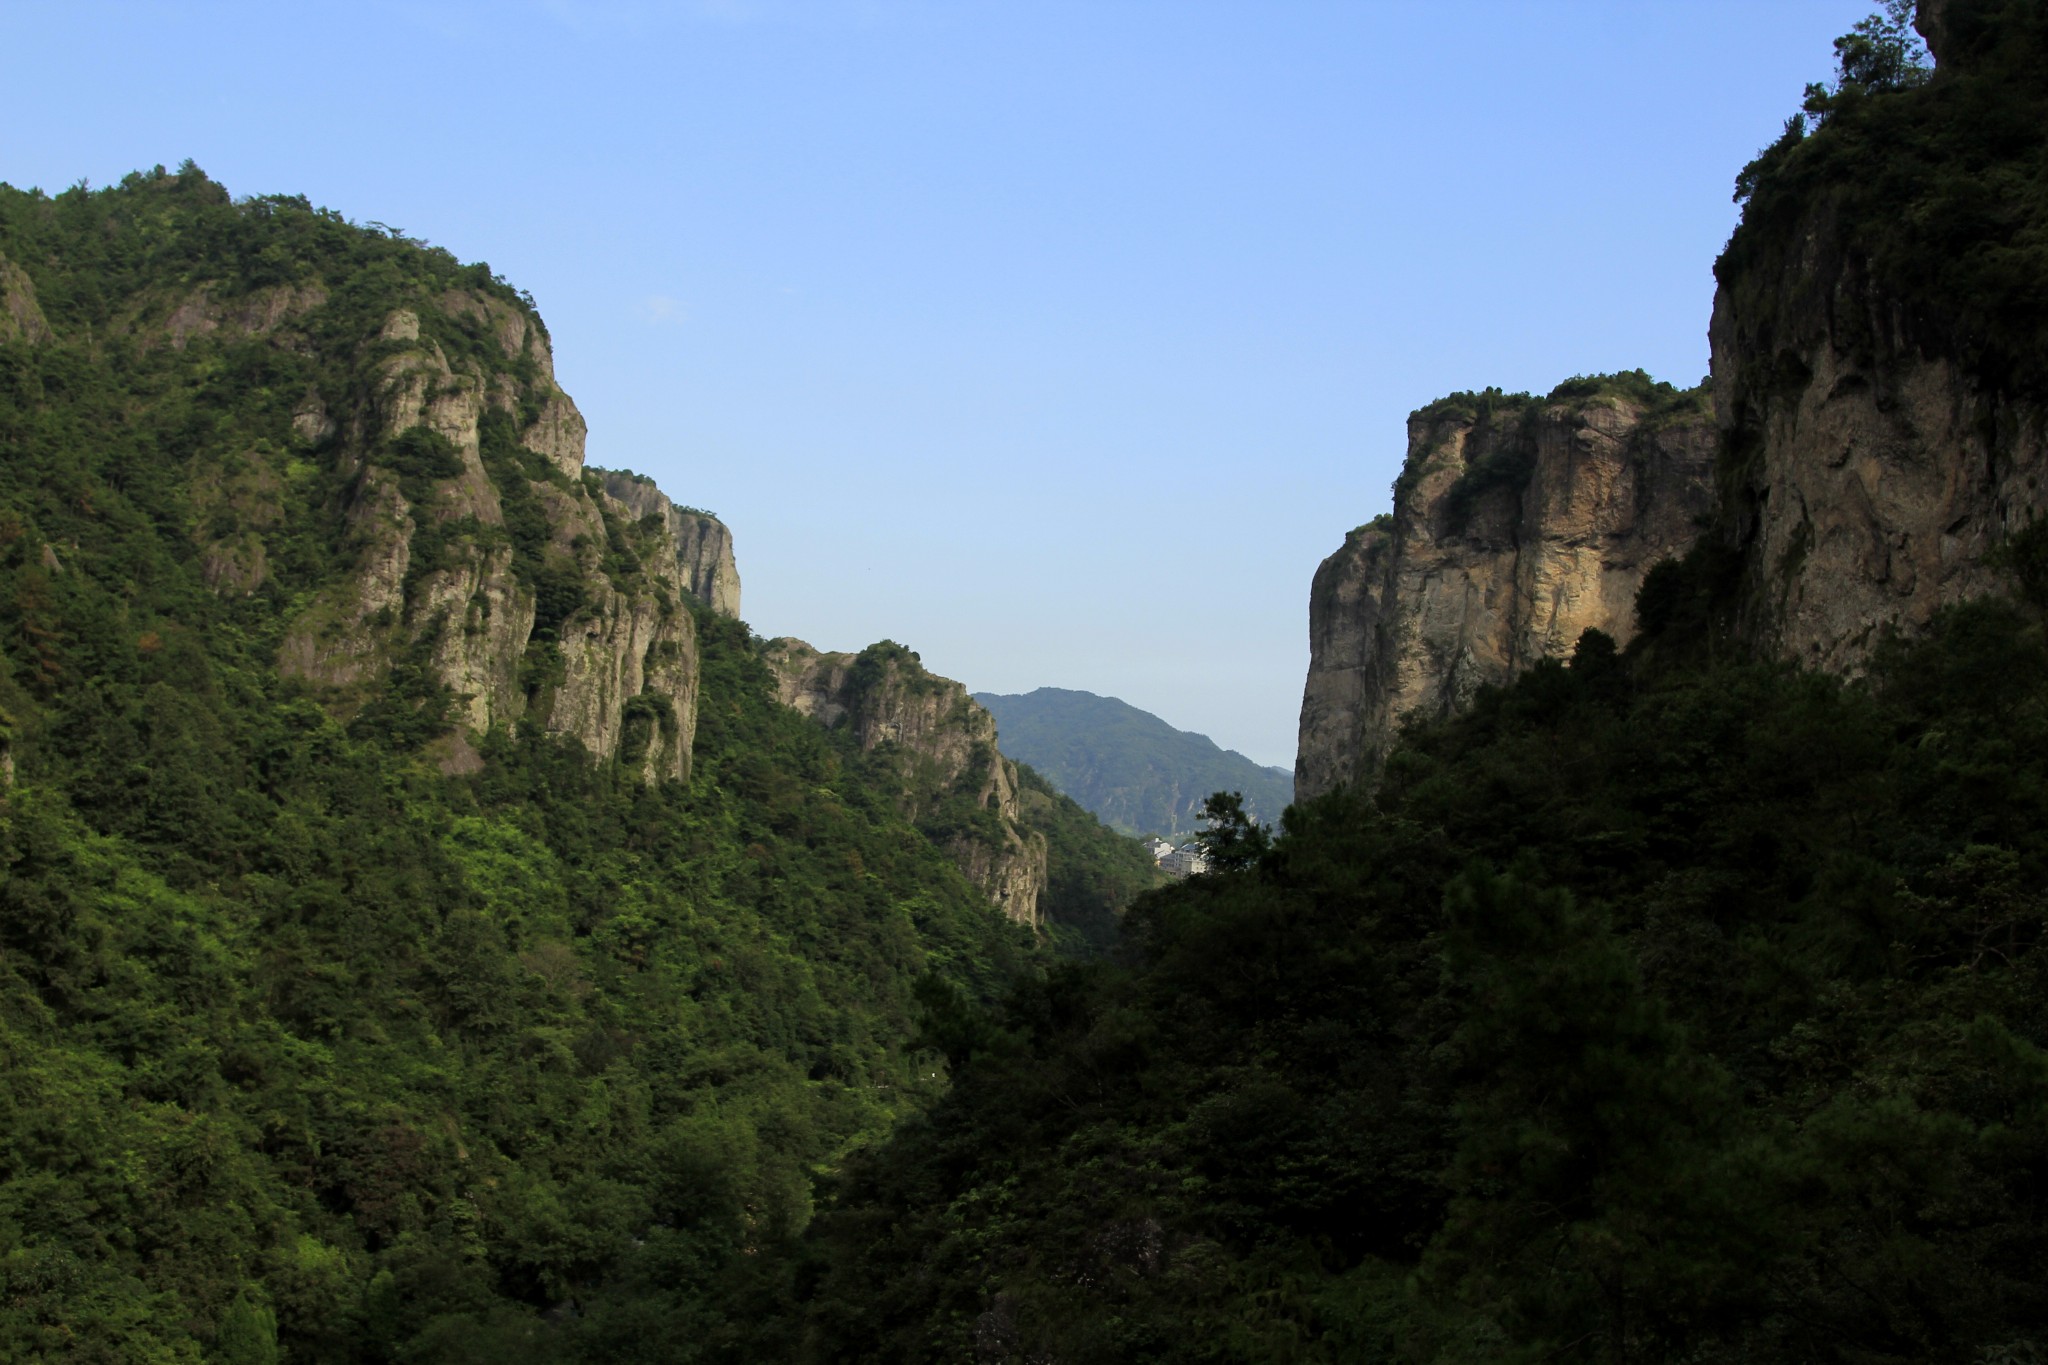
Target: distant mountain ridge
(1136, 772)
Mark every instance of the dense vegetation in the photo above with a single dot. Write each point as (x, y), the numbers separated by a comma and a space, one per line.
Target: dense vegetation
(1669, 1006)
(1659, 1009)
(1093, 874)
(1133, 770)
(1941, 185)
(308, 1047)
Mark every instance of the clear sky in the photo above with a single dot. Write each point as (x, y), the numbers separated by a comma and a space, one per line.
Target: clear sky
(1059, 341)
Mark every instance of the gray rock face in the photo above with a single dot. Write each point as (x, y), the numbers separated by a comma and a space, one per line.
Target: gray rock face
(944, 745)
(1518, 523)
(703, 543)
(437, 584)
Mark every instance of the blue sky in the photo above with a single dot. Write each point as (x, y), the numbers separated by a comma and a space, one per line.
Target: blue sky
(1058, 341)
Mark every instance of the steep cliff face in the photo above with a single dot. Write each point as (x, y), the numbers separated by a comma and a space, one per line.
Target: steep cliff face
(480, 557)
(1518, 523)
(1877, 341)
(703, 543)
(952, 781)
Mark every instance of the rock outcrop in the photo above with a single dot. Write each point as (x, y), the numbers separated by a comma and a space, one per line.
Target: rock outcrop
(485, 560)
(1518, 523)
(952, 781)
(21, 317)
(703, 543)
(1878, 378)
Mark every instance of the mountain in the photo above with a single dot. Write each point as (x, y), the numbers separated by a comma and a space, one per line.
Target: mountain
(1674, 1000)
(424, 932)
(1133, 770)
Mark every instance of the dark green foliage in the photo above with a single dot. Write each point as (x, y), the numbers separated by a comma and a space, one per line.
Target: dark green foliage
(1134, 771)
(1093, 873)
(1232, 840)
(1939, 189)
(1882, 53)
(419, 456)
(1659, 1009)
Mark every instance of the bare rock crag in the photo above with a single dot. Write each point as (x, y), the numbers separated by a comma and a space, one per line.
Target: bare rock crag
(481, 554)
(1518, 523)
(951, 779)
(703, 543)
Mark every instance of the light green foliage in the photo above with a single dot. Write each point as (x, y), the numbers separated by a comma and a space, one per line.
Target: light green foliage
(306, 1051)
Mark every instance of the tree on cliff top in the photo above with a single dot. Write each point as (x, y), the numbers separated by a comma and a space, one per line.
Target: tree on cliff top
(1883, 52)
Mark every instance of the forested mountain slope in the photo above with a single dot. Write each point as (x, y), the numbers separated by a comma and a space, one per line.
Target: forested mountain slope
(423, 934)
(1133, 770)
(1669, 1004)
(1036, 854)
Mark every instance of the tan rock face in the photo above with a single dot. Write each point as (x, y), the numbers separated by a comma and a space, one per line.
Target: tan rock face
(21, 317)
(703, 543)
(1518, 524)
(1869, 478)
(946, 760)
(438, 580)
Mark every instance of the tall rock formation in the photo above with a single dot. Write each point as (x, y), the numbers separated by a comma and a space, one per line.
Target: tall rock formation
(480, 557)
(1518, 523)
(703, 544)
(952, 781)
(1877, 342)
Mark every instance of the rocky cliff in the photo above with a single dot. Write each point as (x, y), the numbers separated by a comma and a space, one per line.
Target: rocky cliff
(1880, 448)
(483, 558)
(1878, 364)
(1518, 523)
(951, 779)
(703, 544)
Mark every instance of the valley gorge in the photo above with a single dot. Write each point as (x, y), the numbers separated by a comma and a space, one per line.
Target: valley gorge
(434, 927)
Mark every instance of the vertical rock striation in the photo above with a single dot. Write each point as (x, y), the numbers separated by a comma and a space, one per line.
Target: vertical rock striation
(1878, 349)
(703, 543)
(1518, 523)
(952, 781)
(483, 557)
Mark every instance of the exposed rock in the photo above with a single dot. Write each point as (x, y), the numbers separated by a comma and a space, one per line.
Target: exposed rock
(234, 502)
(1518, 523)
(703, 543)
(946, 760)
(310, 422)
(21, 317)
(558, 434)
(200, 315)
(1869, 476)
(438, 581)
